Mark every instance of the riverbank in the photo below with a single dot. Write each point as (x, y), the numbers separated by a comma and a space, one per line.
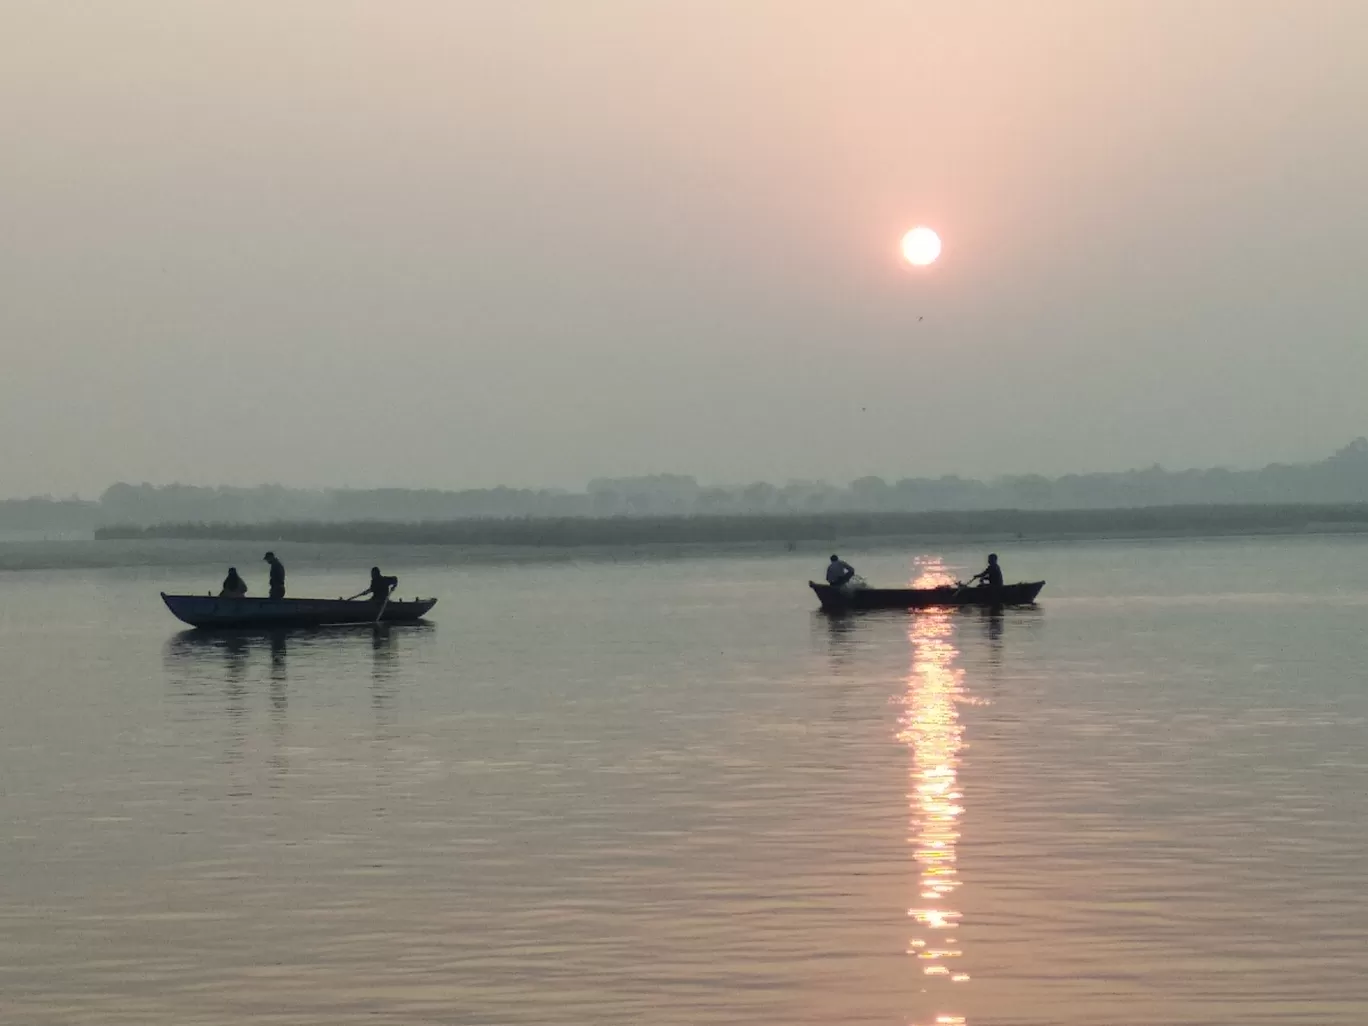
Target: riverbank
(159, 555)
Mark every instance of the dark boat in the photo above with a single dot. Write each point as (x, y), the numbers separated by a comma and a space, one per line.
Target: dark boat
(212, 611)
(842, 600)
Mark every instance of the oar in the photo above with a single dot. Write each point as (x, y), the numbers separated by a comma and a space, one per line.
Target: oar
(964, 585)
(383, 604)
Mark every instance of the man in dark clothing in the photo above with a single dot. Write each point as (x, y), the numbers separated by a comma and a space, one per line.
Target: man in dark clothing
(277, 575)
(991, 577)
(380, 586)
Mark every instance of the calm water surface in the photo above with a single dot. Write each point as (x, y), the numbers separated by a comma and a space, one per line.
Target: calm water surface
(671, 793)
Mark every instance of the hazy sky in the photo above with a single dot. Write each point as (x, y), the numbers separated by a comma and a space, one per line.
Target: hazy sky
(455, 244)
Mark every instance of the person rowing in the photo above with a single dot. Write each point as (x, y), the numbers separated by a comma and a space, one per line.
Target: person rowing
(992, 576)
(381, 587)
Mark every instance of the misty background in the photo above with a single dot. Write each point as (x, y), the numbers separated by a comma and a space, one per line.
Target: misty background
(1341, 478)
(455, 245)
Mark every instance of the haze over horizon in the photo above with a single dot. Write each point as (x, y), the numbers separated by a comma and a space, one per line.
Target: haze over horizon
(837, 481)
(455, 245)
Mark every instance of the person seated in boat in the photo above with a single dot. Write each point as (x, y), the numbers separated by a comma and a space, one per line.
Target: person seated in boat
(233, 585)
(992, 576)
(277, 575)
(839, 572)
(381, 587)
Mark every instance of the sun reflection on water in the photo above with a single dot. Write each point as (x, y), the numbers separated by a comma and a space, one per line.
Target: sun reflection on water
(931, 729)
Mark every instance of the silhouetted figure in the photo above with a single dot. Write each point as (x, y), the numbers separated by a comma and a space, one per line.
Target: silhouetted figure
(380, 586)
(277, 575)
(233, 585)
(839, 572)
(992, 576)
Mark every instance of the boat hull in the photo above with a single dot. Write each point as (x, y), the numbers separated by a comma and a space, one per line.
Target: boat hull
(211, 611)
(843, 600)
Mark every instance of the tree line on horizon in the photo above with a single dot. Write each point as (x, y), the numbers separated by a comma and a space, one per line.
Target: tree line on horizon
(791, 530)
(1341, 478)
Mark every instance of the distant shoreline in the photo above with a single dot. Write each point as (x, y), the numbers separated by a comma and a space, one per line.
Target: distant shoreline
(617, 533)
(177, 548)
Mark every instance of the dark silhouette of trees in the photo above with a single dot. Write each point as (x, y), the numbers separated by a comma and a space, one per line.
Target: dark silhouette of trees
(1340, 479)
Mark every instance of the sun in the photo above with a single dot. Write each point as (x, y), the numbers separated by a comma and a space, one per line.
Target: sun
(921, 246)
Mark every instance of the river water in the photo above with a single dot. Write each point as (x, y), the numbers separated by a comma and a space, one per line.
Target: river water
(669, 791)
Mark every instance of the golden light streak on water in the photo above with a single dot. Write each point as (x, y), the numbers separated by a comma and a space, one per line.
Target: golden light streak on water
(931, 729)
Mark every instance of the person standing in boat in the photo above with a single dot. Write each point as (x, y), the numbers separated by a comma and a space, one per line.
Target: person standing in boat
(277, 575)
(381, 587)
(839, 572)
(992, 576)
(233, 585)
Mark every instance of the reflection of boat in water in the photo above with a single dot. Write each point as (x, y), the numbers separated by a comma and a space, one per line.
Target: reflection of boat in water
(200, 647)
(212, 611)
(841, 600)
(233, 647)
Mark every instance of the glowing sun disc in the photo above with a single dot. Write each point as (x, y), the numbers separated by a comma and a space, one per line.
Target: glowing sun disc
(921, 246)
